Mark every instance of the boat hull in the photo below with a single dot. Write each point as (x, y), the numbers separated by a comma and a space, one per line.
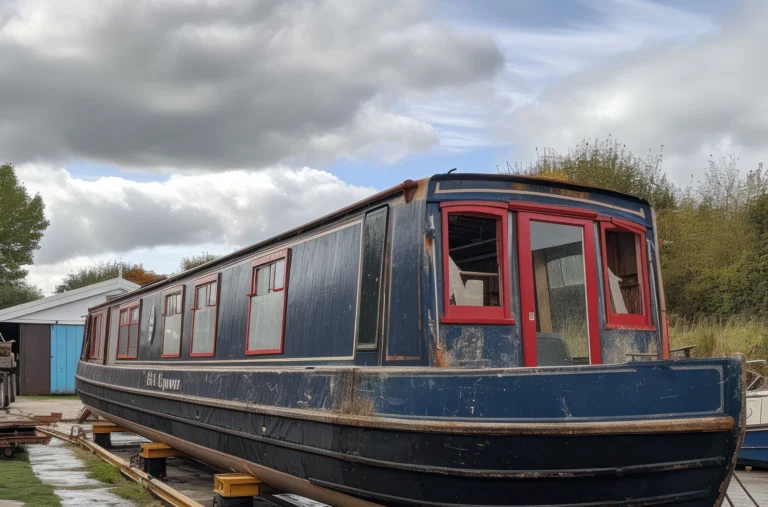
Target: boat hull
(754, 449)
(358, 438)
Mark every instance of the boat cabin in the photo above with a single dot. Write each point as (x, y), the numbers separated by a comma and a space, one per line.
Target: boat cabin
(457, 270)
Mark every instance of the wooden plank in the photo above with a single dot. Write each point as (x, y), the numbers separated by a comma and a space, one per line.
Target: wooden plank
(107, 427)
(156, 450)
(236, 485)
(542, 295)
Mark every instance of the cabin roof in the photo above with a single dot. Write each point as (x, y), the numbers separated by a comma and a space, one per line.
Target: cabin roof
(513, 178)
(68, 307)
(407, 185)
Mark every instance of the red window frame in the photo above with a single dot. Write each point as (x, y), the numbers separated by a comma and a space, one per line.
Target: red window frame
(622, 320)
(206, 280)
(527, 295)
(96, 335)
(255, 265)
(128, 307)
(172, 292)
(453, 314)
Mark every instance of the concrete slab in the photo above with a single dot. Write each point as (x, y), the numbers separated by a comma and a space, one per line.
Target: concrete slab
(57, 465)
(91, 497)
(10, 503)
(68, 406)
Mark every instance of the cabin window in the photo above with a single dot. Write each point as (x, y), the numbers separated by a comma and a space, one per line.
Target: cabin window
(173, 316)
(266, 307)
(128, 332)
(475, 265)
(97, 337)
(204, 316)
(374, 238)
(627, 298)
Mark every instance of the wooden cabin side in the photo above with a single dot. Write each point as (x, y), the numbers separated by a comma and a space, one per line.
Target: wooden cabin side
(326, 293)
(503, 332)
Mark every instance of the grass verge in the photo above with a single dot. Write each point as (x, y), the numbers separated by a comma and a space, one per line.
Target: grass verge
(104, 472)
(18, 482)
(721, 337)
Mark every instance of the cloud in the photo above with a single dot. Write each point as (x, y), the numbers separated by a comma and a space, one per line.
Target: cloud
(543, 41)
(697, 98)
(224, 84)
(112, 216)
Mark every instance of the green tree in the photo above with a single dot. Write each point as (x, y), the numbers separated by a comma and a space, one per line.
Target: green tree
(193, 261)
(711, 248)
(17, 293)
(22, 223)
(107, 271)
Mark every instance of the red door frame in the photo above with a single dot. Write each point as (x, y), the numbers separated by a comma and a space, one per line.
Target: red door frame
(527, 296)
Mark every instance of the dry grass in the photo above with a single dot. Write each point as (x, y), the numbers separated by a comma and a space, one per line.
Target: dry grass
(721, 337)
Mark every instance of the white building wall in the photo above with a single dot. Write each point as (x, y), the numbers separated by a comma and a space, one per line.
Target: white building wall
(68, 313)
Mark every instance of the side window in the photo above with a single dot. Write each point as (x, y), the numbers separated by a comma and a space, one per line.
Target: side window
(173, 317)
(374, 239)
(128, 332)
(97, 338)
(204, 316)
(266, 306)
(627, 298)
(475, 262)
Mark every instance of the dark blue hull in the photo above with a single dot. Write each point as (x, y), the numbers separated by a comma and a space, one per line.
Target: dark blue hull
(754, 450)
(651, 433)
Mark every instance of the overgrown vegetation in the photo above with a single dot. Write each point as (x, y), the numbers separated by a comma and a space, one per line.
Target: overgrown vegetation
(107, 271)
(193, 261)
(713, 236)
(18, 482)
(719, 337)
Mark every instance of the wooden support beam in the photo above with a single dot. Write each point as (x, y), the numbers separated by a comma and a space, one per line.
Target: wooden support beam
(156, 450)
(100, 428)
(236, 485)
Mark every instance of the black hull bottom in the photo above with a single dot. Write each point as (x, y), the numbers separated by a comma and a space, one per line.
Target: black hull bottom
(399, 468)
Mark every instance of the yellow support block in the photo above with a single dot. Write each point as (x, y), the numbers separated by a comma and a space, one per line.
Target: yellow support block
(107, 427)
(233, 485)
(156, 450)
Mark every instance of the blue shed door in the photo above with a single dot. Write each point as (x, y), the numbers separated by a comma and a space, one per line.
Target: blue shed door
(66, 342)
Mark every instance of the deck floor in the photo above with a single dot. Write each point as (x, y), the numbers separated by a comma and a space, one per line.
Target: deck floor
(756, 484)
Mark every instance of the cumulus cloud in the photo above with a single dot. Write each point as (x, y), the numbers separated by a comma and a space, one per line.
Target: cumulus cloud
(112, 216)
(699, 98)
(225, 84)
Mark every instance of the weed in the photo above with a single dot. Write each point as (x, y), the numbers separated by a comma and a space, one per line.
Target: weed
(19, 482)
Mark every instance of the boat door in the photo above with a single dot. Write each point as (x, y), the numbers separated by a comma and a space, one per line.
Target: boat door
(558, 290)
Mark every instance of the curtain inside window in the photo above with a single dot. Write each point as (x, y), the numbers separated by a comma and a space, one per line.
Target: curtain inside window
(122, 341)
(266, 321)
(133, 341)
(202, 339)
(172, 335)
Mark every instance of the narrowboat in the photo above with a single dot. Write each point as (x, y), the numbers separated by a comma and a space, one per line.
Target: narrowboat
(464, 339)
(754, 448)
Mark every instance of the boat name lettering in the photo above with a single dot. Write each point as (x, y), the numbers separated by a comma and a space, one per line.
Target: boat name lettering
(155, 379)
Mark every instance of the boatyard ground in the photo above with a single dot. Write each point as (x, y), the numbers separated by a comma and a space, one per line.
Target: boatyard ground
(59, 474)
